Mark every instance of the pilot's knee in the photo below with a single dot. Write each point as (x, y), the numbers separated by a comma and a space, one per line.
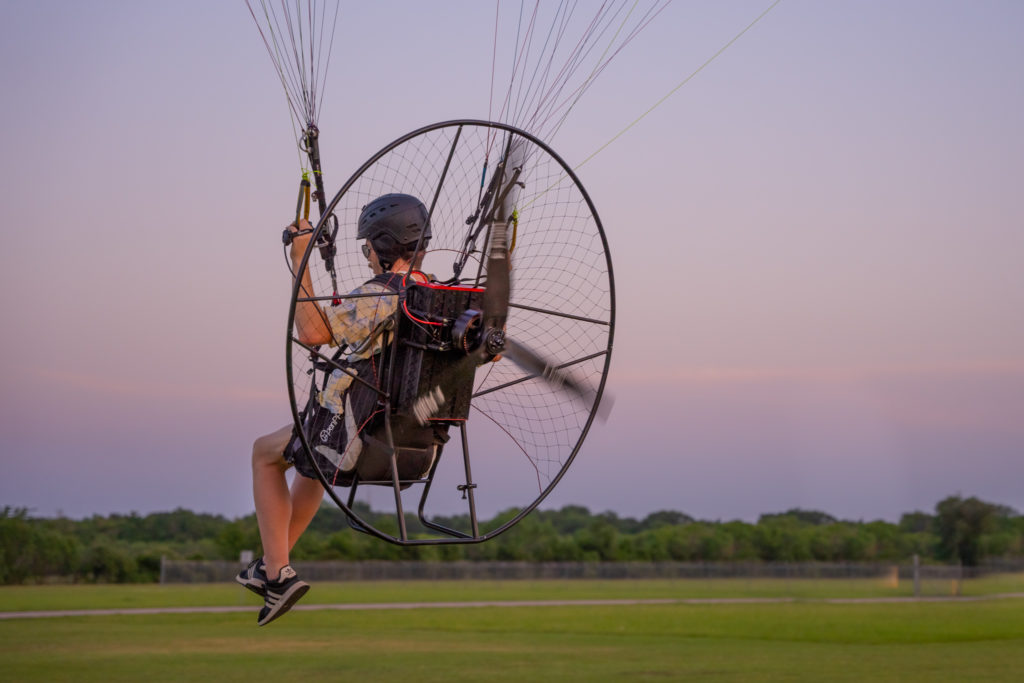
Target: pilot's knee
(269, 448)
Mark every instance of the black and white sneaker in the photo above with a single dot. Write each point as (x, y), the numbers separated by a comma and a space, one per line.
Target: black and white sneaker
(281, 594)
(254, 577)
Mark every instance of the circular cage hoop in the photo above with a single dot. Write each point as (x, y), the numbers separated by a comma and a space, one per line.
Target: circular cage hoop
(562, 305)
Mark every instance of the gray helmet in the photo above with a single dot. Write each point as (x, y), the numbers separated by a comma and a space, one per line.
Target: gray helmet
(400, 217)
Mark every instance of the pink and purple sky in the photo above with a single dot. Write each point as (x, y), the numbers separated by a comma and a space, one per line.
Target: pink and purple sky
(818, 247)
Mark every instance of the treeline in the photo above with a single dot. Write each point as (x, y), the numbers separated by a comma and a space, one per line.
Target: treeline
(128, 548)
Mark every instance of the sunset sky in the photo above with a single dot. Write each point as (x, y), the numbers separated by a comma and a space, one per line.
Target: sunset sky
(818, 245)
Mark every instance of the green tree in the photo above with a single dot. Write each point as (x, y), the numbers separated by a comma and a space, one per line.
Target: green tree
(646, 546)
(740, 546)
(665, 518)
(624, 525)
(783, 539)
(598, 541)
(106, 562)
(812, 517)
(238, 535)
(30, 551)
(961, 523)
(917, 522)
(569, 519)
(889, 543)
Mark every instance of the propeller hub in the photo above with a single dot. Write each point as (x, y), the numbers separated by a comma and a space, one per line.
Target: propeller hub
(495, 341)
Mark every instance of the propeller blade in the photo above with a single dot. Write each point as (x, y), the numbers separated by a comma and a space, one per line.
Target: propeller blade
(516, 156)
(534, 364)
(498, 289)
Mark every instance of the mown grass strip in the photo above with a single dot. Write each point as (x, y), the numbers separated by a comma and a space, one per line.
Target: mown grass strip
(118, 596)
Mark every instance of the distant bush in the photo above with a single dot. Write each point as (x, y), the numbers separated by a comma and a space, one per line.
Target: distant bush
(103, 561)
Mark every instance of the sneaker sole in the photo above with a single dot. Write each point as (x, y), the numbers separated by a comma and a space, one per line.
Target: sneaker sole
(256, 586)
(289, 598)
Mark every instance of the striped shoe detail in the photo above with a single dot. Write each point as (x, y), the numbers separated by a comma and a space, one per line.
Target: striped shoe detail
(281, 595)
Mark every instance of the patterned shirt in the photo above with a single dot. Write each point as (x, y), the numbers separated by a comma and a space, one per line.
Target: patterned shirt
(352, 322)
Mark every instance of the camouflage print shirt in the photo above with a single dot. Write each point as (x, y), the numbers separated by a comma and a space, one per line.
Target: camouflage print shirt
(352, 322)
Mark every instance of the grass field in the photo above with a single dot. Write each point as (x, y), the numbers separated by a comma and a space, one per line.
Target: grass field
(802, 640)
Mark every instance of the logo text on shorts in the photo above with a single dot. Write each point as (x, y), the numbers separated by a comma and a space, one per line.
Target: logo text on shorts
(325, 433)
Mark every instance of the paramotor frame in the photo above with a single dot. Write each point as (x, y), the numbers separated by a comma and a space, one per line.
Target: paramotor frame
(560, 317)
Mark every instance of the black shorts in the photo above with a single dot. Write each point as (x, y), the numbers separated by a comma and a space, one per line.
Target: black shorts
(342, 459)
(328, 441)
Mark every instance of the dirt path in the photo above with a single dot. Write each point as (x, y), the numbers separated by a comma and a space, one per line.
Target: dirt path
(486, 603)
